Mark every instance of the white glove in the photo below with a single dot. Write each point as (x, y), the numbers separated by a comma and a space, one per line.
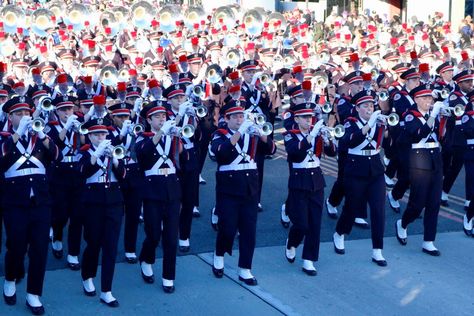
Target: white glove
(436, 108)
(183, 108)
(138, 104)
(167, 126)
(189, 90)
(245, 126)
(70, 122)
(255, 77)
(316, 128)
(125, 128)
(145, 92)
(101, 148)
(23, 126)
(373, 118)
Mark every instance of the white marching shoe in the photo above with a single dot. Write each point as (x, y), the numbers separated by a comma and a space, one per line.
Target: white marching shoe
(338, 241)
(378, 258)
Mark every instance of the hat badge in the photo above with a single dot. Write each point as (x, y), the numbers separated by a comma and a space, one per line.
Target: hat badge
(22, 99)
(237, 102)
(176, 86)
(100, 121)
(123, 106)
(308, 105)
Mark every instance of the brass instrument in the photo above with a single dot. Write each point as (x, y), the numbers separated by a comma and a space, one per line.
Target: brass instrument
(168, 15)
(77, 14)
(117, 152)
(136, 129)
(194, 15)
(109, 76)
(392, 119)
(335, 132)
(320, 79)
(121, 15)
(233, 58)
(13, 17)
(37, 125)
(201, 111)
(142, 13)
(82, 130)
(214, 73)
(187, 131)
(276, 18)
(457, 110)
(109, 20)
(224, 14)
(46, 104)
(326, 108)
(41, 21)
(198, 92)
(383, 95)
(253, 21)
(324, 57)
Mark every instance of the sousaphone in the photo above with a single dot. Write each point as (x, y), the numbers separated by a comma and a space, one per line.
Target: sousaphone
(167, 16)
(253, 21)
(194, 15)
(41, 21)
(142, 13)
(13, 17)
(224, 16)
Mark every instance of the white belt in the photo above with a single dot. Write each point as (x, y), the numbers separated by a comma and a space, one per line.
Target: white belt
(188, 146)
(425, 145)
(24, 172)
(305, 165)
(366, 152)
(160, 172)
(458, 122)
(70, 159)
(242, 166)
(101, 179)
(470, 141)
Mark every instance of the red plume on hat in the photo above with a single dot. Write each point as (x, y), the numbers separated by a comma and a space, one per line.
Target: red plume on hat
(62, 78)
(354, 59)
(18, 84)
(88, 79)
(121, 86)
(132, 72)
(424, 67)
(445, 49)
(234, 88)
(234, 75)
(153, 83)
(464, 55)
(99, 99)
(36, 71)
(402, 49)
(306, 85)
(297, 69)
(183, 59)
(367, 76)
(195, 41)
(413, 55)
(173, 68)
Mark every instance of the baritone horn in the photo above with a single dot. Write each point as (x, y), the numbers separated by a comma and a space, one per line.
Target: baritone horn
(320, 79)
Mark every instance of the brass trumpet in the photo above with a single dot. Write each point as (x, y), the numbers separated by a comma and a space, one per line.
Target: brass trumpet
(457, 110)
(136, 129)
(46, 104)
(264, 129)
(326, 108)
(198, 92)
(201, 111)
(257, 118)
(392, 119)
(333, 132)
(383, 95)
(37, 125)
(187, 131)
(117, 152)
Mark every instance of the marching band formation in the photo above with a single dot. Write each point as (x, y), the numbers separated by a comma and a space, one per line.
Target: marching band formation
(109, 113)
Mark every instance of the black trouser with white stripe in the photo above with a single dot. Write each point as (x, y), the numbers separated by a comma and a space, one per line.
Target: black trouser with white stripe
(304, 210)
(27, 229)
(154, 214)
(102, 225)
(237, 213)
(359, 192)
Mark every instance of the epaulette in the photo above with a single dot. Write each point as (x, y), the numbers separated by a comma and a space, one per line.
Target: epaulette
(147, 134)
(403, 92)
(416, 113)
(458, 93)
(54, 123)
(86, 147)
(350, 119)
(222, 131)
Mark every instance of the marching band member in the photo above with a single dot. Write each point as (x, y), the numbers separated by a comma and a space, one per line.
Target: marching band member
(468, 129)
(424, 131)
(157, 155)
(102, 202)
(363, 175)
(454, 145)
(305, 146)
(182, 112)
(124, 135)
(66, 179)
(26, 202)
(237, 188)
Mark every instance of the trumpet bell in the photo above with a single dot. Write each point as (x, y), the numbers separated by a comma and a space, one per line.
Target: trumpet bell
(214, 73)
(37, 125)
(393, 119)
(187, 131)
(267, 128)
(201, 111)
(253, 21)
(458, 110)
(339, 131)
(109, 76)
(142, 13)
(12, 16)
(46, 104)
(383, 96)
(224, 16)
(168, 16)
(118, 152)
(374, 72)
(194, 15)
(83, 130)
(138, 129)
(123, 75)
(198, 91)
(326, 108)
(324, 57)
(444, 94)
(41, 20)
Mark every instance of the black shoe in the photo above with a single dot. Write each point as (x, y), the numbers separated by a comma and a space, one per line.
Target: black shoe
(196, 214)
(310, 272)
(113, 303)
(184, 248)
(148, 279)
(131, 260)
(74, 266)
(402, 241)
(284, 224)
(434, 253)
(87, 293)
(380, 263)
(331, 215)
(168, 289)
(444, 203)
(9, 300)
(249, 282)
(58, 254)
(339, 251)
(259, 209)
(268, 157)
(39, 310)
(218, 273)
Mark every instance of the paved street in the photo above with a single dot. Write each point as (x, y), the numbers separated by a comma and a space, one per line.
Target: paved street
(413, 283)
